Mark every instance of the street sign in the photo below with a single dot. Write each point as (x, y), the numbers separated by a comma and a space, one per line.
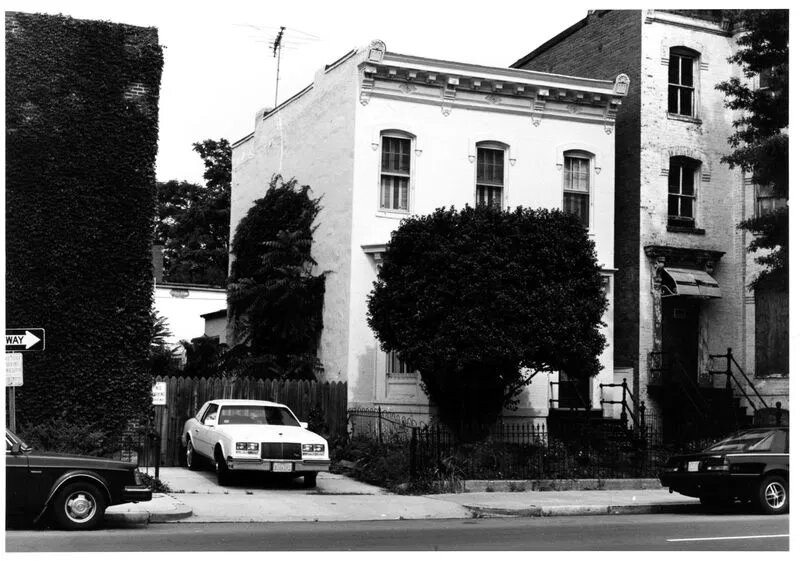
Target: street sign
(160, 393)
(13, 370)
(25, 339)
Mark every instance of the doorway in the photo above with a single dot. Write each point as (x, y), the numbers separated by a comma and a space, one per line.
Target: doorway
(679, 332)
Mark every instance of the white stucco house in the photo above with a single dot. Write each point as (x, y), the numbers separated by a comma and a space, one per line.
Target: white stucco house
(382, 136)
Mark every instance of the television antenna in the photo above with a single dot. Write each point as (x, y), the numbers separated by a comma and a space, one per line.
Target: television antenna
(285, 38)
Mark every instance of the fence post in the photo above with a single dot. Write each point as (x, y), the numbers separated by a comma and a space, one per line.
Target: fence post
(642, 428)
(413, 452)
(728, 371)
(624, 414)
(380, 427)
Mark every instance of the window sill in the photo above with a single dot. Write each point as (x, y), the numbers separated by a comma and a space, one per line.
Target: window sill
(684, 118)
(686, 230)
(396, 214)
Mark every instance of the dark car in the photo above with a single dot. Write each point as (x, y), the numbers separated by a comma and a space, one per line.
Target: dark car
(75, 489)
(749, 465)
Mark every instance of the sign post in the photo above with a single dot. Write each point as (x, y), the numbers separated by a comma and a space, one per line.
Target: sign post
(159, 398)
(13, 381)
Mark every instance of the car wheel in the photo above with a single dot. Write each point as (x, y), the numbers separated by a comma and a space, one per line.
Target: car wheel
(79, 506)
(192, 461)
(773, 495)
(310, 480)
(221, 467)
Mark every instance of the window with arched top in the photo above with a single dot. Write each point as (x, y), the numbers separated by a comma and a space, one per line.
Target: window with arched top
(682, 74)
(682, 191)
(396, 150)
(490, 173)
(577, 184)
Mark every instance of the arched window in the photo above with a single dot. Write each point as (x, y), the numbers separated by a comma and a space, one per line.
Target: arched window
(681, 98)
(577, 184)
(682, 192)
(490, 173)
(396, 153)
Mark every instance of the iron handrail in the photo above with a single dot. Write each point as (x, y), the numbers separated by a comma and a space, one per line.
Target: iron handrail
(624, 402)
(688, 385)
(729, 373)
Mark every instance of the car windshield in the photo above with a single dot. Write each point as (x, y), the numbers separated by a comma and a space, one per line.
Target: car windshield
(256, 415)
(748, 441)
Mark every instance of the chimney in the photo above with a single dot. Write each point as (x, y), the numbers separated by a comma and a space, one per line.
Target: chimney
(158, 263)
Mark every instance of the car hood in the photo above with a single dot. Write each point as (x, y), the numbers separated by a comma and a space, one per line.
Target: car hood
(270, 433)
(73, 461)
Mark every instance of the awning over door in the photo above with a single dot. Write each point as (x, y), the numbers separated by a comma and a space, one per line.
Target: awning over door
(689, 282)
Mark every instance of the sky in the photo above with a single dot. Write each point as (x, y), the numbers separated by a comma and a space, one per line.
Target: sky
(219, 68)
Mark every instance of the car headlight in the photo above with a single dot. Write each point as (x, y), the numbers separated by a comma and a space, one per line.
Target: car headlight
(313, 449)
(247, 447)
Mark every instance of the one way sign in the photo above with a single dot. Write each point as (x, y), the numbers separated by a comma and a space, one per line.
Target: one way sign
(28, 339)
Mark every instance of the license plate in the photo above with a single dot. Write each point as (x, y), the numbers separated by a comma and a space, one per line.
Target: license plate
(282, 467)
(693, 466)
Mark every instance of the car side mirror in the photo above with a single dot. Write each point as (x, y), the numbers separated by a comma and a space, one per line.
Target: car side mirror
(303, 425)
(16, 448)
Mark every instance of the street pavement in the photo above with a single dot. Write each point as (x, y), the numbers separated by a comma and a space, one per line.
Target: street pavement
(196, 497)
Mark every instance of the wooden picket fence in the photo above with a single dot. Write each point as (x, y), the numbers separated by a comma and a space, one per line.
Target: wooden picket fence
(186, 395)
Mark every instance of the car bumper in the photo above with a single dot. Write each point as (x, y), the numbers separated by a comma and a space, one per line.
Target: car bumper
(136, 494)
(709, 484)
(258, 464)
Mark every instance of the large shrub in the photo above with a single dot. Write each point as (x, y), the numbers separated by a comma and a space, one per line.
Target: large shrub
(81, 141)
(480, 300)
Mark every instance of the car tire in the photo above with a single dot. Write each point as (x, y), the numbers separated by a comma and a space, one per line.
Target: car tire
(79, 506)
(310, 480)
(192, 459)
(773, 495)
(221, 467)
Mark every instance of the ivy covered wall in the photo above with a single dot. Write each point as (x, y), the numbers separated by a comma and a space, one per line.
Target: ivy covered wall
(81, 143)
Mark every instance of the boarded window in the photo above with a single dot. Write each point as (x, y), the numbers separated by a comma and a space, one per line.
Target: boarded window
(772, 331)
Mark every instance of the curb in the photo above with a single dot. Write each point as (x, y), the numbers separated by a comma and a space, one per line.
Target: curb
(580, 510)
(483, 485)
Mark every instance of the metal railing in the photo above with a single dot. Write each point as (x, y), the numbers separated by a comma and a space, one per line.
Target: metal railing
(730, 377)
(626, 411)
(558, 400)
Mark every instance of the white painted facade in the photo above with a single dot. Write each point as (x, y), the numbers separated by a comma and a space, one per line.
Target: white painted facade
(329, 136)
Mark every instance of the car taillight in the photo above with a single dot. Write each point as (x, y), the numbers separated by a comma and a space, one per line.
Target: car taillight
(137, 477)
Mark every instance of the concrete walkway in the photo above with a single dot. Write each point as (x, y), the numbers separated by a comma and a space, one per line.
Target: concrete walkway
(196, 497)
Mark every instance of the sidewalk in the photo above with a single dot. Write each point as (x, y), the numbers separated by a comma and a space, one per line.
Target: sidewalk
(338, 498)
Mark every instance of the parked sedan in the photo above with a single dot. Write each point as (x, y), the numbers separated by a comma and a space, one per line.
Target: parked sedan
(250, 435)
(749, 465)
(75, 489)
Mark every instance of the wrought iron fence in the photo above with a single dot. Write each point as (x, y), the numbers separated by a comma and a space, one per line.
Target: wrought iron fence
(381, 424)
(528, 451)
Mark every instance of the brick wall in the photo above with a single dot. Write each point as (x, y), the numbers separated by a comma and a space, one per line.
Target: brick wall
(608, 43)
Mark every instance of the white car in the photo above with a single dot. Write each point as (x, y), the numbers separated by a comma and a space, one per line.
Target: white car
(251, 435)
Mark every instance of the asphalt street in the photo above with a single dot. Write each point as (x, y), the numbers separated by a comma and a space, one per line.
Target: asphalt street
(713, 531)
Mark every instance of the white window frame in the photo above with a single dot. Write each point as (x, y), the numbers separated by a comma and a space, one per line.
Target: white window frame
(766, 193)
(401, 135)
(499, 147)
(676, 220)
(684, 53)
(403, 372)
(589, 193)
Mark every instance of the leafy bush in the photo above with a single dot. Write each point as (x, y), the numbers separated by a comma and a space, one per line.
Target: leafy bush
(59, 435)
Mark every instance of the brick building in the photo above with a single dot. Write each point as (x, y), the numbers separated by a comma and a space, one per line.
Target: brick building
(383, 136)
(683, 271)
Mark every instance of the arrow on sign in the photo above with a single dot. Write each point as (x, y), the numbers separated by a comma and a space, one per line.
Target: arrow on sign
(29, 339)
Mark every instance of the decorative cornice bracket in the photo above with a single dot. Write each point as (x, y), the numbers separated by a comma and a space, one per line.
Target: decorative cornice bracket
(367, 84)
(449, 95)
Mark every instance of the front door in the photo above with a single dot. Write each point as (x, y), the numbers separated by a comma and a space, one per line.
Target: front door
(679, 316)
(572, 393)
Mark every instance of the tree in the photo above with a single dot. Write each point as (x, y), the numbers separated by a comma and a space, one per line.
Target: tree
(193, 221)
(761, 141)
(480, 300)
(275, 299)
